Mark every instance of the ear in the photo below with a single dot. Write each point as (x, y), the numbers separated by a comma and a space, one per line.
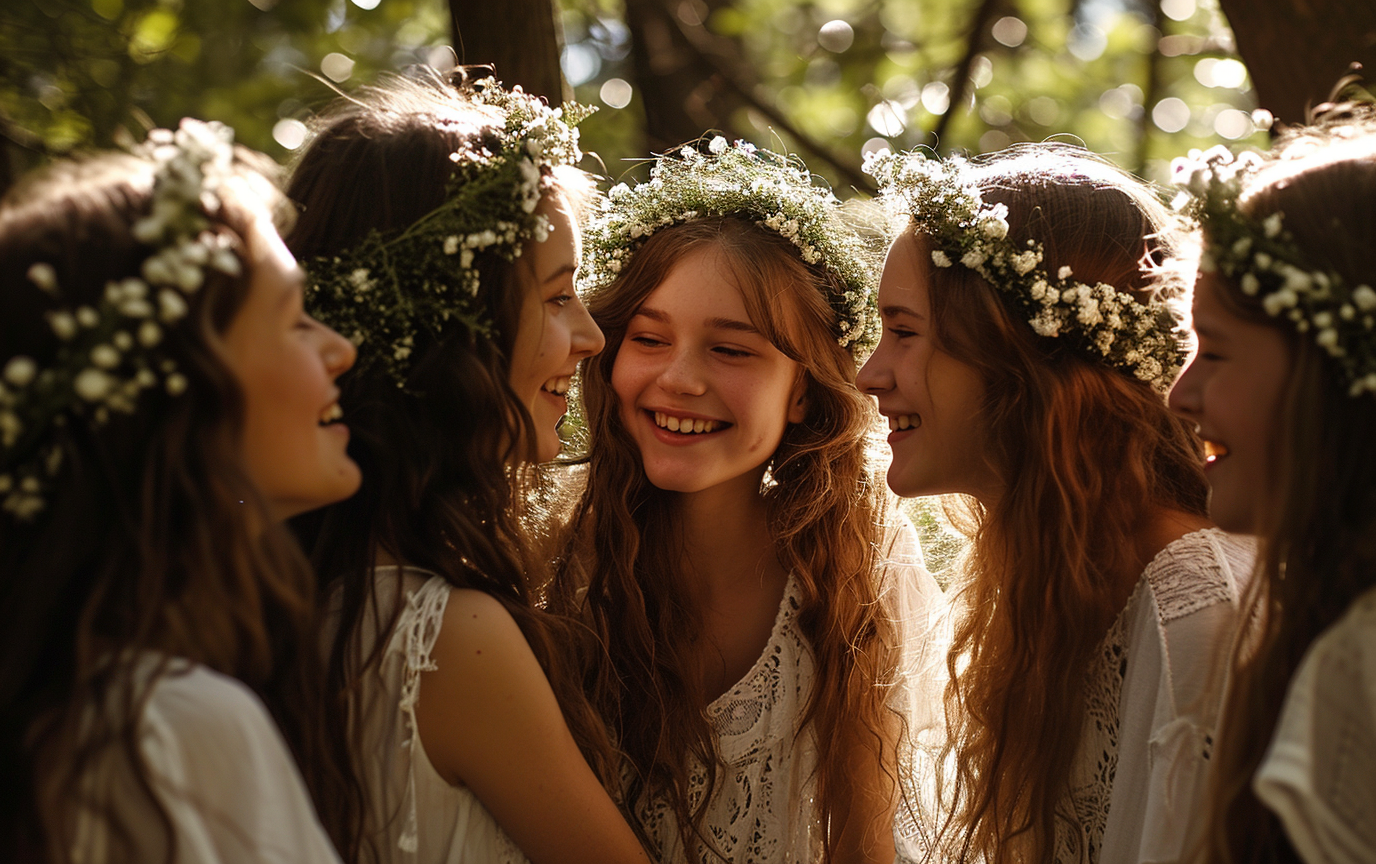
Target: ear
(797, 399)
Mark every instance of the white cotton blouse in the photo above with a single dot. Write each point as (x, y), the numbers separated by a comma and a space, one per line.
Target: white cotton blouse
(1152, 704)
(762, 809)
(1319, 775)
(220, 770)
(414, 814)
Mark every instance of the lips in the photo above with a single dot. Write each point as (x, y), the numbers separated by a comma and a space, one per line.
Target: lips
(1214, 451)
(558, 385)
(332, 414)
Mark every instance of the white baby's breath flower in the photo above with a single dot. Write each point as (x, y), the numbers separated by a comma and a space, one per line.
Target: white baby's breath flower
(44, 276)
(175, 384)
(451, 244)
(1271, 224)
(20, 370)
(973, 258)
(1250, 284)
(940, 258)
(150, 334)
(1364, 297)
(63, 324)
(105, 356)
(92, 384)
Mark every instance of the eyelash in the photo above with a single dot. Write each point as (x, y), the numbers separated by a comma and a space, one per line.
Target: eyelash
(563, 299)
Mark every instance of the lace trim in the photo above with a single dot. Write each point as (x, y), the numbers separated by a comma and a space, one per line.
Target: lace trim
(417, 629)
(1193, 573)
(751, 817)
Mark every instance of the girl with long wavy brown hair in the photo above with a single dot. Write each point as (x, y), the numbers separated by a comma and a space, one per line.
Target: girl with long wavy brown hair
(740, 563)
(1026, 346)
(439, 228)
(1282, 389)
(165, 406)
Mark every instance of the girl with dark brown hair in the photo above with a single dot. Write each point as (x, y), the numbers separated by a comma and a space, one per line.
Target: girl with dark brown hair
(439, 227)
(166, 403)
(740, 564)
(1282, 390)
(1025, 351)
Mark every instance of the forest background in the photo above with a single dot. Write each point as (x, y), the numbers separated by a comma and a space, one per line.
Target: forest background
(1139, 81)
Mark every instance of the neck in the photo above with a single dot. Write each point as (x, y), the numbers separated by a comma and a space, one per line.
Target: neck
(726, 538)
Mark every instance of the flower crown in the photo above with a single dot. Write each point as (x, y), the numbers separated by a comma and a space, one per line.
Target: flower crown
(1111, 326)
(387, 288)
(110, 352)
(774, 191)
(1260, 255)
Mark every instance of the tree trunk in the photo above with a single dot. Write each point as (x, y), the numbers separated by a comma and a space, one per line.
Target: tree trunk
(681, 95)
(1296, 50)
(520, 39)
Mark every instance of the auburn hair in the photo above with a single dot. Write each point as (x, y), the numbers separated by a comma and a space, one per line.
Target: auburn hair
(1318, 525)
(446, 459)
(154, 540)
(826, 518)
(1085, 455)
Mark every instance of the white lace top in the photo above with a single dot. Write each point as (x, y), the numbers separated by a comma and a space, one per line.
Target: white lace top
(415, 815)
(1319, 775)
(220, 770)
(762, 809)
(1152, 704)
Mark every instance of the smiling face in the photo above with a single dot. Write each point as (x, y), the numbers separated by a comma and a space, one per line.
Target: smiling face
(705, 396)
(932, 400)
(555, 330)
(1233, 389)
(286, 364)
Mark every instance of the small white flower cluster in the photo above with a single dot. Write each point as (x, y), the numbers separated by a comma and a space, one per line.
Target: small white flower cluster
(739, 180)
(1112, 326)
(1261, 257)
(109, 353)
(389, 288)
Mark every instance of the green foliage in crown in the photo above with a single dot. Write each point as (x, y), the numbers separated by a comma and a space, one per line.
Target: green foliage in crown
(738, 179)
(426, 277)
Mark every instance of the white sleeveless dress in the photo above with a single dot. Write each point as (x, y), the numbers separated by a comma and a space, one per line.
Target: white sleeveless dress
(1319, 775)
(415, 815)
(762, 809)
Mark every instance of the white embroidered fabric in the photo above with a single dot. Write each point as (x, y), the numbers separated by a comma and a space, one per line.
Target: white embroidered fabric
(1152, 702)
(414, 813)
(1319, 775)
(762, 808)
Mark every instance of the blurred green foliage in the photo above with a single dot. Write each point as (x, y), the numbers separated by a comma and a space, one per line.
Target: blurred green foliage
(1136, 86)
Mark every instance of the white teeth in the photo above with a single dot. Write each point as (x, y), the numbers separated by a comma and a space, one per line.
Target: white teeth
(904, 421)
(331, 414)
(685, 425)
(558, 386)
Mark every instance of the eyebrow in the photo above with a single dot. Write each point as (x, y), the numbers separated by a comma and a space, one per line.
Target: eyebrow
(563, 270)
(713, 323)
(890, 311)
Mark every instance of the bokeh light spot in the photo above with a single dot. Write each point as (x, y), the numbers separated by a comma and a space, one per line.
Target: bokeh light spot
(615, 93)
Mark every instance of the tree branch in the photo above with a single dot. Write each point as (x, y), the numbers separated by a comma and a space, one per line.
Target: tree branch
(961, 84)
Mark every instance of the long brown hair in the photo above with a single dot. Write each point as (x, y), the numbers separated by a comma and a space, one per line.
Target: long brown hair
(1085, 455)
(826, 520)
(153, 540)
(445, 460)
(1318, 540)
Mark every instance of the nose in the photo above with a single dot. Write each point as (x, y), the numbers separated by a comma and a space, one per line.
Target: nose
(876, 376)
(1184, 397)
(586, 337)
(681, 375)
(337, 352)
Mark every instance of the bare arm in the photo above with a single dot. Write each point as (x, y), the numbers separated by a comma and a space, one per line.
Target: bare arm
(869, 800)
(488, 718)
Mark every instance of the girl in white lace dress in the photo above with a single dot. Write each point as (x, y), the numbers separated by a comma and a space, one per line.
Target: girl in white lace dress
(1284, 392)
(1025, 354)
(162, 405)
(739, 562)
(439, 230)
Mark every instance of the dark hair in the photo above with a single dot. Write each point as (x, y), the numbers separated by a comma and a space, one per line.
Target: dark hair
(445, 459)
(1318, 528)
(826, 518)
(144, 546)
(1085, 454)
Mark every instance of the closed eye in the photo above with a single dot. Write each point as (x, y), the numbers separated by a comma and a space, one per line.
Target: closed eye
(647, 341)
(902, 332)
(732, 352)
(562, 299)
